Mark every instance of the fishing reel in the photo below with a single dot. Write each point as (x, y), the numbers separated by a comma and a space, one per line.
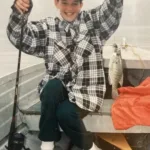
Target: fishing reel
(17, 142)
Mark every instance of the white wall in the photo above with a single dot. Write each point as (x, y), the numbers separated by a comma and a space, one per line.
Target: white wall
(135, 24)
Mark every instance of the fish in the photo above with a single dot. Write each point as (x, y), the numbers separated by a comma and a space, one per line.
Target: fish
(115, 71)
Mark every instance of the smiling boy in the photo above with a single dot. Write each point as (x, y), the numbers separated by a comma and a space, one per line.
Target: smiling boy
(71, 45)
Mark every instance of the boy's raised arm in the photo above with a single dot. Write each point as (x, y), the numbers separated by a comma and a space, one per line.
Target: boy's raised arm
(108, 16)
(34, 35)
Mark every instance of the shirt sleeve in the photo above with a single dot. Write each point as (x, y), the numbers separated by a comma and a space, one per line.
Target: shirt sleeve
(107, 17)
(34, 34)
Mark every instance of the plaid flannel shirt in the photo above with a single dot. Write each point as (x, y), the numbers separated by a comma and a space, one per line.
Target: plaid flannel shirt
(72, 51)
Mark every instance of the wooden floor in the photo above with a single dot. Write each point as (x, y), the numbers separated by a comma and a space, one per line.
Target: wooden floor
(34, 143)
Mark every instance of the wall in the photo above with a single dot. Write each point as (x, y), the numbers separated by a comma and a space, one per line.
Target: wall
(135, 22)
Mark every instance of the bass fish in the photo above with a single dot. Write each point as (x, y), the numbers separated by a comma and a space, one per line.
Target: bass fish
(115, 73)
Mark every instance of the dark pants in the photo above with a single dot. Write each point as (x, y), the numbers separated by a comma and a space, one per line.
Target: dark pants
(57, 110)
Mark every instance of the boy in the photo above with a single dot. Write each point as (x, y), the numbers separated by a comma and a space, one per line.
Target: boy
(71, 45)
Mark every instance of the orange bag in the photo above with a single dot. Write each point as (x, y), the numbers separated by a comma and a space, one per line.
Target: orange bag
(132, 106)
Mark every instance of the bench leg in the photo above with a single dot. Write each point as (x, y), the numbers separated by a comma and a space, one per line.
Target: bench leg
(115, 139)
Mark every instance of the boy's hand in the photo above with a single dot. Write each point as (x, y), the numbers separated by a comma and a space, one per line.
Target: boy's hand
(22, 5)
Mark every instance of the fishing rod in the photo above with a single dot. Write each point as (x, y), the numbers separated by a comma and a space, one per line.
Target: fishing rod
(16, 140)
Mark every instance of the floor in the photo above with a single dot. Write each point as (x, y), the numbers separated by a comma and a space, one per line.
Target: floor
(138, 142)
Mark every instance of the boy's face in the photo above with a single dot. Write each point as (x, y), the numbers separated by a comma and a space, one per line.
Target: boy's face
(69, 9)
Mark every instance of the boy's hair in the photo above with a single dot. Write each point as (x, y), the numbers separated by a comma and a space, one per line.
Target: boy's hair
(79, 0)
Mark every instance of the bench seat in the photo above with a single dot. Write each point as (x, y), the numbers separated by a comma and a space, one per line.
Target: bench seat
(94, 122)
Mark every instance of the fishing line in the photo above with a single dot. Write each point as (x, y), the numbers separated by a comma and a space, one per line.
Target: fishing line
(137, 55)
(141, 61)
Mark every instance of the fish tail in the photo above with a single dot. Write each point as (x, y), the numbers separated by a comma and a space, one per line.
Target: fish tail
(114, 93)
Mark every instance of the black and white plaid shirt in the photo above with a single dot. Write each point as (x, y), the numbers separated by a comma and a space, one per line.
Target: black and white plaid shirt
(72, 51)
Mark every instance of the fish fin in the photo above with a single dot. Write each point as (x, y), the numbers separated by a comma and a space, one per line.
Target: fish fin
(110, 76)
(114, 94)
(121, 81)
(110, 70)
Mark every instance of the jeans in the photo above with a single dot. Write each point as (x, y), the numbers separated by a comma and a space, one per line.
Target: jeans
(57, 110)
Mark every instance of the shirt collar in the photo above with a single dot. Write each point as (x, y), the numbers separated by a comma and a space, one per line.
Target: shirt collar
(63, 24)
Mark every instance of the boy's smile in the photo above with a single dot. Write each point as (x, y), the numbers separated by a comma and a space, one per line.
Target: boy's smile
(69, 9)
